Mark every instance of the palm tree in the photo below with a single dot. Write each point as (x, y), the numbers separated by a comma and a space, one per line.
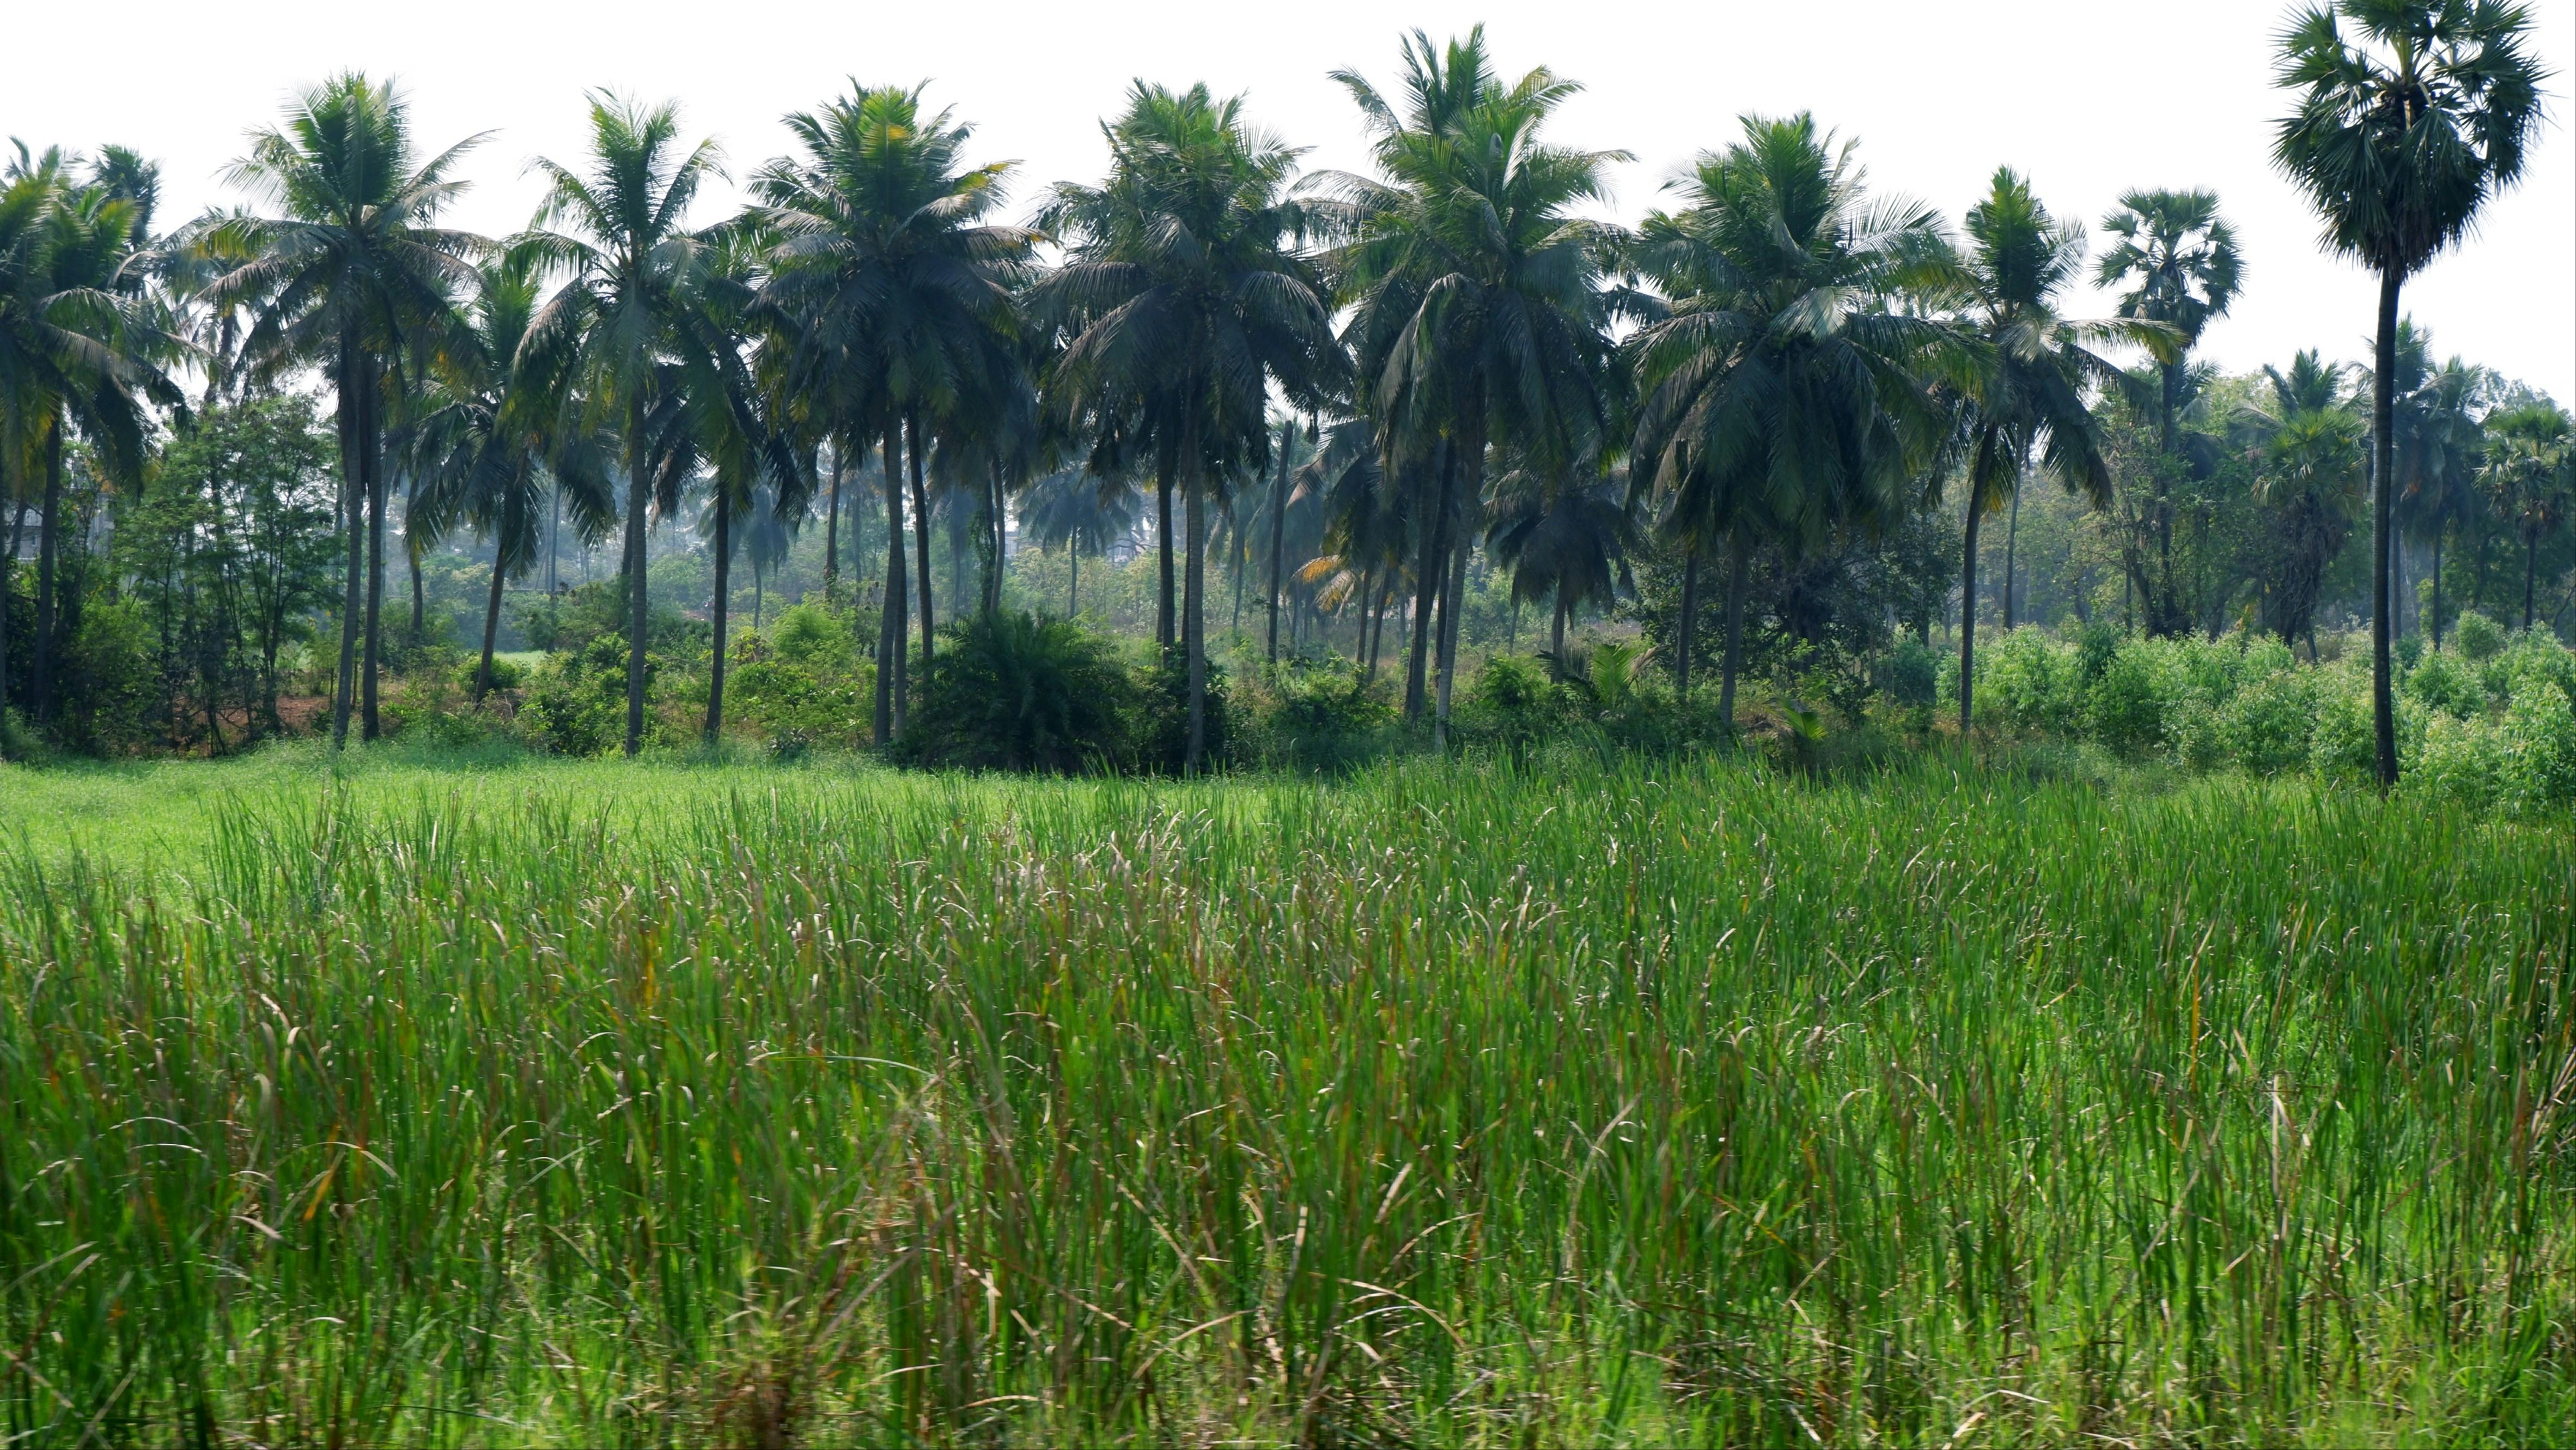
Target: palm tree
(494, 440)
(2405, 126)
(2033, 397)
(1184, 302)
(1564, 545)
(621, 327)
(2441, 441)
(1080, 512)
(2310, 464)
(898, 293)
(2529, 478)
(1476, 318)
(1780, 397)
(350, 268)
(77, 351)
(2177, 260)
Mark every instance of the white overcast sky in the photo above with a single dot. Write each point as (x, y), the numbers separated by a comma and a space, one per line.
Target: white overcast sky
(2087, 97)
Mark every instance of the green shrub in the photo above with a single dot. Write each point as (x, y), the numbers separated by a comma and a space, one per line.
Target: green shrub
(2534, 661)
(1161, 728)
(1911, 676)
(815, 638)
(2030, 679)
(1011, 691)
(1322, 719)
(799, 708)
(2461, 761)
(108, 695)
(2445, 683)
(2270, 724)
(2477, 637)
(577, 704)
(2126, 698)
(507, 673)
(2538, 771)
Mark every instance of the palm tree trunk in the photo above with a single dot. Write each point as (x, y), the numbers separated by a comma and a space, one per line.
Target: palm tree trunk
(1427, 579)
(1194, 613)
(2383, 473)
(1073, 588)
(921, 536)
(723, 606)
(491, 626)
(892, 647)
(1278, 533)
(831, 537)
(1163, 633)
(1968, 612)
(1682, 637)
(353, 510)
(638, 488)
(371, 457)
(48, 550)
(2530, 572)
(1556, 629)
(1453, 601)
(8, 560)
(2012, 537)
(1738, 554)
(2436, 630)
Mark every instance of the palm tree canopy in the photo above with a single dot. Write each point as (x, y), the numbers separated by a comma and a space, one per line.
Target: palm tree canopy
(2176, 256)
(2411, 114)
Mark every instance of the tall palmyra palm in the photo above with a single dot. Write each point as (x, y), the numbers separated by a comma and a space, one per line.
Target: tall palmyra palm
(2411, 114)
(1779, 395)
(2529, 479)
(350, 269)
(897, 291)
(1185, 302)
(2040, 372)
(76, 352)
(2309, 472)
(2441, 441)
(494, 444)
(1476, 320)
(2176, 260)
(624, 328)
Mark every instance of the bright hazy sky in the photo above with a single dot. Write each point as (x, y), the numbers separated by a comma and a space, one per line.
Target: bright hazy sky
(2086, 97)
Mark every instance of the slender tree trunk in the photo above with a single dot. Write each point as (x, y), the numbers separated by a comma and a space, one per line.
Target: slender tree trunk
(491, 625)
(411, 557)
(1453, 603)
(8, 560)
(2436, 630)
(1194, 611)
(1429, 574)
(639, 487)
(554, 536)
(1738, 555)
(353, 484)
(1239, 564)
(1968, 614)
(831, 533)
(1556, 629)
(2012, 538)
(371, 458)
(1073, 587)
(1278, 532)
(1683, 637)
(892, 646)
(921, 536)
(2530, 573)
(2383, 473)
(49, 528)
(1163, 631)
(723, 607)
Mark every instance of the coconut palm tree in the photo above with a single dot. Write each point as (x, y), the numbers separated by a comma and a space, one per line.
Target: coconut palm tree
(350, 268)
(1780, 397)
(623, 328)
(2176, 262)
(2411, 114)
(2309, 468)
(78, 351)
(1565, 545)
(2529, 479)
(1080, 512)
(1476, 319)
(897, 289)
(1184, 301)
(2034, 396)
(495, 444)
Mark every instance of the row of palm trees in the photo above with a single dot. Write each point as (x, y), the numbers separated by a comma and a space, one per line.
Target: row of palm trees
(1777, 360)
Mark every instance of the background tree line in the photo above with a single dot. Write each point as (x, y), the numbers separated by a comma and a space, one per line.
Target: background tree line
(1776, 424)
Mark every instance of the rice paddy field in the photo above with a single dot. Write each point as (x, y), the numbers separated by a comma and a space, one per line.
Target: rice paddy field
(1672, 1103)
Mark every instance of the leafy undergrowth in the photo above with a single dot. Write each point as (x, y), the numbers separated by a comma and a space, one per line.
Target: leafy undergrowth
(1683, 1104)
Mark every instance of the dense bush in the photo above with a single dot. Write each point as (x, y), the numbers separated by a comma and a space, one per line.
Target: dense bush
(1012, 691)
(1312, 719)
(577, 703)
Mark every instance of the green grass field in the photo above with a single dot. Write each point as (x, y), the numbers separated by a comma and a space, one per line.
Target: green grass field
(1653, 1104)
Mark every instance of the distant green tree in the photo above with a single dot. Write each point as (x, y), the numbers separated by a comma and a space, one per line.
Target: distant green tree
(2310, 479)
(2529, 479)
